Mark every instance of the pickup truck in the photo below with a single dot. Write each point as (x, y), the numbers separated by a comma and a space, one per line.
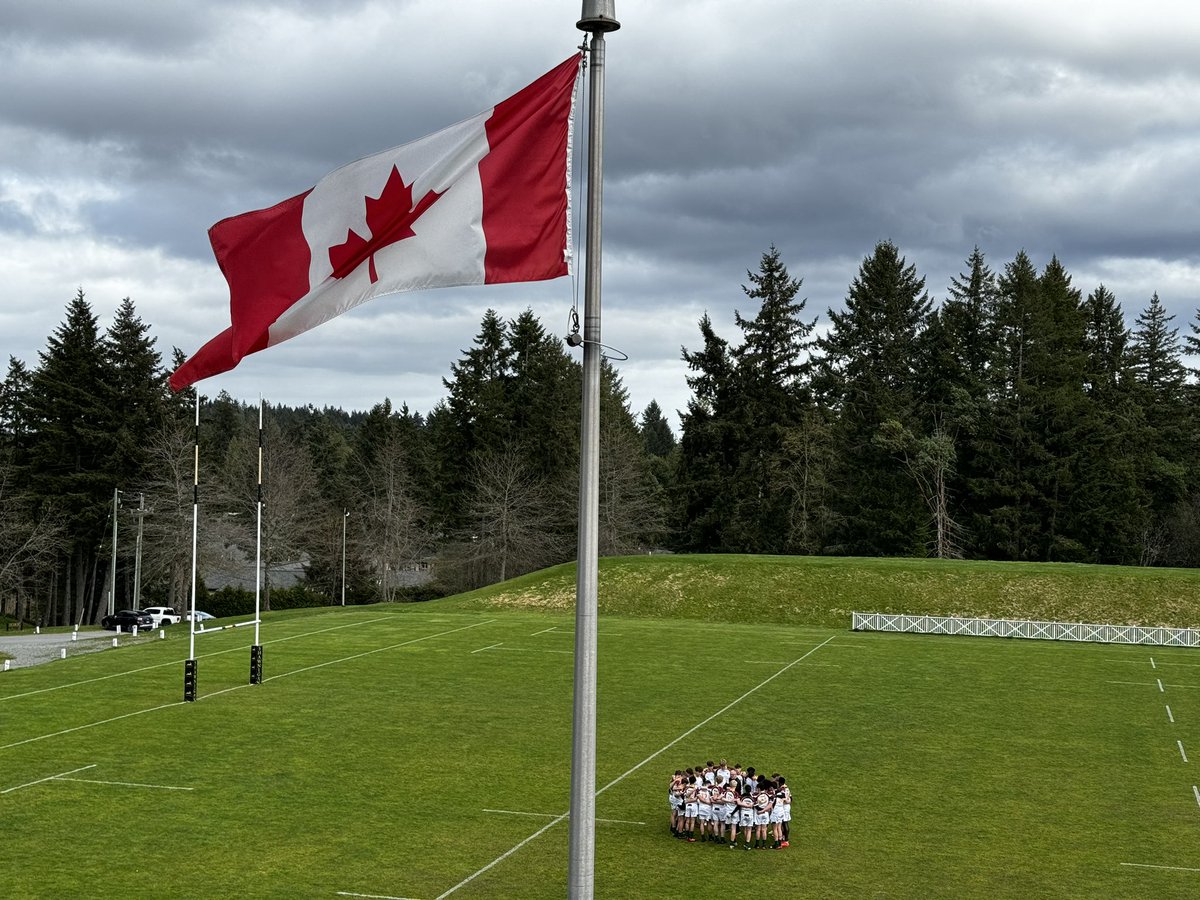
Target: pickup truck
(163, 615)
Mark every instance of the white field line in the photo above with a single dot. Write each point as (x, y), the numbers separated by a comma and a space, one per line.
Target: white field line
(372, 896)
(236, 687)
(1152, 665)
(160, 787)
(628, 772)
(1181, 753)
(332, 662)
(1170, 717)
(481, 649)
(553, 629)
(503, 649)
(1196, 791)
(779, 662)
(1171, 868)
(841, 646)
(514, 812)
(1158, 681)
(175, 662)
(43, 737)
(47, 778)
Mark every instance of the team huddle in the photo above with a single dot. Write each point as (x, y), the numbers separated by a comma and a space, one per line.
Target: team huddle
(717, 800)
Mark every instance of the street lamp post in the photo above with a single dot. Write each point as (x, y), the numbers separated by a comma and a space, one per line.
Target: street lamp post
(137, 557)
(112, 576)
(345, 516)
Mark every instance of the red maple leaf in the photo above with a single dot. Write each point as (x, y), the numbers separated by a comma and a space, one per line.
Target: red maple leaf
(389, 218)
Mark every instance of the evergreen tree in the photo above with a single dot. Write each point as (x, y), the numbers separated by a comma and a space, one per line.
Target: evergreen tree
(869, 377)
(542, 396)
(772, 357)
(961, 348)
(772, 362)
(1056, 374)
(472, 418)
(1160, 391)
(14, 395)
(734, 478)
(71, 443)
(1155, 355)
(137, 393)
(657, 436)
(1105, 342)
(1004, 525)
(1108, 502)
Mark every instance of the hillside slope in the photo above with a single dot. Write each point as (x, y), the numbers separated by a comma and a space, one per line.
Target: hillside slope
(825, 590)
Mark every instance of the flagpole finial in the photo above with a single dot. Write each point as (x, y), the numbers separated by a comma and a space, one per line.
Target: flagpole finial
(598, 15)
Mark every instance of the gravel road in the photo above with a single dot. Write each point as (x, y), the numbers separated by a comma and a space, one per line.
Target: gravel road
(34, 649)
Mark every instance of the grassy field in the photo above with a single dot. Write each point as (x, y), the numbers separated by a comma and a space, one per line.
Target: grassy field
(415, 751)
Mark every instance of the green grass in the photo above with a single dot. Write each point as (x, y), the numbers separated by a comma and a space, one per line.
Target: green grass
(922, 766)
(825, 590)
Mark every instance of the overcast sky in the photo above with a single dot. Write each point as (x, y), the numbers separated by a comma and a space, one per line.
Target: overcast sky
(127, 128)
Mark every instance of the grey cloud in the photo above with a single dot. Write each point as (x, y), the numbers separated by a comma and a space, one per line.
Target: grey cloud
(820, 129)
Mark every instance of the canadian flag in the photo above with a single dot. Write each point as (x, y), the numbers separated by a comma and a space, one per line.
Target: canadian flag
(481, 202)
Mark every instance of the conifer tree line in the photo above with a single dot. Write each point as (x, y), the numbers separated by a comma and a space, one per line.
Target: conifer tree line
(1016, 420)
(483, 488)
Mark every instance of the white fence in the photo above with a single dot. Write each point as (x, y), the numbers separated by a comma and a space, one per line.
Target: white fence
(1021, 628)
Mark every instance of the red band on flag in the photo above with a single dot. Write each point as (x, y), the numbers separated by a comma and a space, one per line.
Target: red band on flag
(525, 200)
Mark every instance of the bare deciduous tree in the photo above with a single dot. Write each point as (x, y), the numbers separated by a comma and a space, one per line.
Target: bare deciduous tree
(389, 528)
(631, 509)
(30, 544)
(167, 534)
(516, 525)
(289, 491)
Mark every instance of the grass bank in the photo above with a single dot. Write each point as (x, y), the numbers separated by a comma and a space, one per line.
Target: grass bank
(824, 591)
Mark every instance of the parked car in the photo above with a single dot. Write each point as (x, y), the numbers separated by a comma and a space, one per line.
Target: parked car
(127, 618)
(163, 615)
(201, 617)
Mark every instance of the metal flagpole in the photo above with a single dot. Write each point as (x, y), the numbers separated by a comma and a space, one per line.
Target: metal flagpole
(256, 649)
(598, 19)
(189, 667)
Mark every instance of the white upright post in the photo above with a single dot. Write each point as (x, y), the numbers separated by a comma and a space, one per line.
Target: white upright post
(256, 648)
(189, 666)
(195, 525)
(258, 528)
(598, 19)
